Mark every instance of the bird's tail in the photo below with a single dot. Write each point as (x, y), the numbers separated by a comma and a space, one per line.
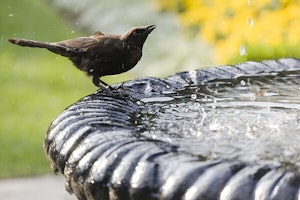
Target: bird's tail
(61, 50)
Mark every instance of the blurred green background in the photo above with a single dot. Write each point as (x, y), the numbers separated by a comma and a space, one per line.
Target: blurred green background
(36, 85)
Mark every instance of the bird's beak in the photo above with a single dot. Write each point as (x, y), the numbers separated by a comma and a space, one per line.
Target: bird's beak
(150, 28)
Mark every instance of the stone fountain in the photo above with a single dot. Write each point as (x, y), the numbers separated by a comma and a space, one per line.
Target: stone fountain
(230, 132)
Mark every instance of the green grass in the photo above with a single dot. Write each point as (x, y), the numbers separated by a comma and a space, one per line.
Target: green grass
(35, 85)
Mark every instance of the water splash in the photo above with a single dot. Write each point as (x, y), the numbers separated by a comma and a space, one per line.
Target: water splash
(242, 120)
(194, 96)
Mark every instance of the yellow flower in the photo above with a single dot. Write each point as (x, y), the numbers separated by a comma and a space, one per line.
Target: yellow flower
(255, 25)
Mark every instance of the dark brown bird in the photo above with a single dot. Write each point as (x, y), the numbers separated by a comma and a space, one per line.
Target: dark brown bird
(100, 54)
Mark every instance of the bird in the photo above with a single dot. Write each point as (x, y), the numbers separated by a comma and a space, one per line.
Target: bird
(100, 54)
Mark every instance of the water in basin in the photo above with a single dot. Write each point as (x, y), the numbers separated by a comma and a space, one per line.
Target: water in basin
(248, 118)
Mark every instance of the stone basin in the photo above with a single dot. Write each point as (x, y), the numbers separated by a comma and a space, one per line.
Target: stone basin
(230, 132)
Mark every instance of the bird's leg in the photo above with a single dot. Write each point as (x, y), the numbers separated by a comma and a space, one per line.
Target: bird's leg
(106, 85)
(97, 81)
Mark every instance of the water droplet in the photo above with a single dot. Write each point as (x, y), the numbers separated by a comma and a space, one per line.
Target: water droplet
(216, 91)
(194, 96)
(243, 50)
(250, 21)
(92, 181)
(154, 136)
(243, 83)
(72, 32)
(11, 15)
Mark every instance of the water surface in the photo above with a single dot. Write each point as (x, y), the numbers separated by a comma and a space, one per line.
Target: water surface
(248, 118)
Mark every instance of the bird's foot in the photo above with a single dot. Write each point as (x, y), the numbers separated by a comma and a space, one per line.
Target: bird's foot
(104, 86)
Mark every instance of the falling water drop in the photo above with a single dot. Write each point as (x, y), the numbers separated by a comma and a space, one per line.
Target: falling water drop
(243, 50)
(250, 21)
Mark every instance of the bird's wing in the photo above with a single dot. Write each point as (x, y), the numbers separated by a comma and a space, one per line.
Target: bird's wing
(107, 50)
(81, 44)
(97, 34)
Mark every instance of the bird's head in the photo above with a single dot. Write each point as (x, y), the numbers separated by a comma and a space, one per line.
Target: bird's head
(136, 36)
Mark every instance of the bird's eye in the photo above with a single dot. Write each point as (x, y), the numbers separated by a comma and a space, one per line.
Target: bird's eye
(135, 33)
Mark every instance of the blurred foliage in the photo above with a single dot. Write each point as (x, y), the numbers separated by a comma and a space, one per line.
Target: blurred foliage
(35, 85)
(242, 30)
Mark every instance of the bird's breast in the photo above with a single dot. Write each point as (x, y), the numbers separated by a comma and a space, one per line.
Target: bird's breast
(133, 56)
